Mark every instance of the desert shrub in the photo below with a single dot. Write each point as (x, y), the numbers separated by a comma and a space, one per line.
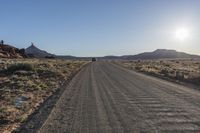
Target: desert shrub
(172, 72)
(179, 75)
(68, 63)
(23, 118)
(2, 110)
(167, 65)
(138, 68)
(165, 72)
(43, 86)
(20, 66)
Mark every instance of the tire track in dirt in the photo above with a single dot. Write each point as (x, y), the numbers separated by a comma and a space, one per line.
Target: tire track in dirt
(173, 109)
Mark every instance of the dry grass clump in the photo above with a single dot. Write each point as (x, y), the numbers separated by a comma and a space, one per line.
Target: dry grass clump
(26, 83)
(19, 66)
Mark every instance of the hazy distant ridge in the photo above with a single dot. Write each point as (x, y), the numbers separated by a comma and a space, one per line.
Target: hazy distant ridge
(160, 54)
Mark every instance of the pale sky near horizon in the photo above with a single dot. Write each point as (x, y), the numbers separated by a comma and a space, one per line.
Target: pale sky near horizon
(101, 27)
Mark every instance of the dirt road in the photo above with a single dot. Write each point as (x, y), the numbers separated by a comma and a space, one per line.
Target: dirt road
(106, 98)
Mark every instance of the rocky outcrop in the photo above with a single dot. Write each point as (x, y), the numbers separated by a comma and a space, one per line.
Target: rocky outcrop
(33, 51)
(7, 51)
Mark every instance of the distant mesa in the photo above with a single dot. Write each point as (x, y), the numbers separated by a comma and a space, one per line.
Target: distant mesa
(33, 51)
(8, 51)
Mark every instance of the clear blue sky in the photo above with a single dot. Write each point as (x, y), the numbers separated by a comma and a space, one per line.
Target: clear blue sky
(101, 27)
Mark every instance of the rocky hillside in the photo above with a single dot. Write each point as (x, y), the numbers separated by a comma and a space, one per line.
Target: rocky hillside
(33, 51)
(7, 51)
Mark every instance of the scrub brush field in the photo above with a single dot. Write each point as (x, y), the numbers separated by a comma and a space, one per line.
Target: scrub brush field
(26, 83)
(179, 70)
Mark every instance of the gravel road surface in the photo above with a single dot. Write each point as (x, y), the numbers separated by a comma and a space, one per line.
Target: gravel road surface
(106, 98)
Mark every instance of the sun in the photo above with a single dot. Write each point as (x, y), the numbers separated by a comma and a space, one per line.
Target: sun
(182, 33)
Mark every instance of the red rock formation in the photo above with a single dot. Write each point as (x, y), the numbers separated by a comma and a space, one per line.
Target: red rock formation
(7, 51)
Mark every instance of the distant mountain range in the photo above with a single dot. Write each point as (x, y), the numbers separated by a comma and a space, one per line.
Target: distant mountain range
(33, 51)
(8, 51)
(69, 57)
(159, 54)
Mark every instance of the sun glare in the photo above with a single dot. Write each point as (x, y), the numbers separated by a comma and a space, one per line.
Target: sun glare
(182, 33)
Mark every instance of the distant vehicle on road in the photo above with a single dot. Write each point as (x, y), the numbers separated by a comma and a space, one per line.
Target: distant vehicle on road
(94, 59)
